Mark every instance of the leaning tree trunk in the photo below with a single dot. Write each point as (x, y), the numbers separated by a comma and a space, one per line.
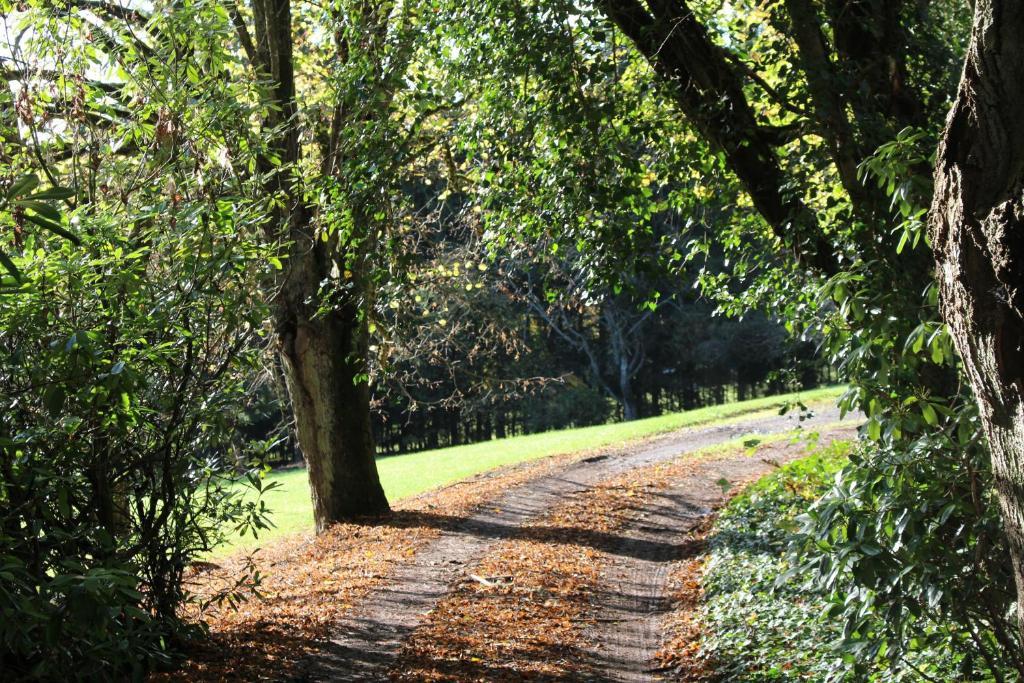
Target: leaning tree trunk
(323, 343)
(977, 224)
(325, 365)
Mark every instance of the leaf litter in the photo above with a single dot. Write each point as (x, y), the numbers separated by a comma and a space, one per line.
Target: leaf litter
(523, 612)
(309, 582)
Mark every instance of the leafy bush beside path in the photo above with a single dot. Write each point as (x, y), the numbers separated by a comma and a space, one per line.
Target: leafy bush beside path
(761, 623)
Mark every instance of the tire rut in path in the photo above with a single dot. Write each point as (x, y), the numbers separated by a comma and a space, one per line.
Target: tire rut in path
(365, 644)
(626, 632)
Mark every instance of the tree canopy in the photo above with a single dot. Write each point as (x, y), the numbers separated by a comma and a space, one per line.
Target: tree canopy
(417, 223)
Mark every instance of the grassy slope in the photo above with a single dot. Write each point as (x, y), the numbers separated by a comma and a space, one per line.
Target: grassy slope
(407, 475)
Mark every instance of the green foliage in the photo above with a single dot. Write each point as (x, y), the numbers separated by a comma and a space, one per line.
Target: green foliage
(895, 544)
(125, 352)
(911, 525)
(23, 204)
(123, 361)
(756, 632)
(565, 146)
(762, 623)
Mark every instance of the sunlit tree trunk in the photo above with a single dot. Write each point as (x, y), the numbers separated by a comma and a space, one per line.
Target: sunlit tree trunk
(324, 358)
(977, 224)
(628, 398)
(323, 347)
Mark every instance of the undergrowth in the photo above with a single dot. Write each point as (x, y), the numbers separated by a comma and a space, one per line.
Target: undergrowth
(761, 625)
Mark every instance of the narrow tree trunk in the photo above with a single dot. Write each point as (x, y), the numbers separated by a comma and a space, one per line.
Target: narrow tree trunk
(454, 417)
(629, 409)
(626, 394)
(433, 432)
(977, 224)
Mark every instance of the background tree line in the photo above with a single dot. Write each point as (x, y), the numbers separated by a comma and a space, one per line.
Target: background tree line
(517, 343)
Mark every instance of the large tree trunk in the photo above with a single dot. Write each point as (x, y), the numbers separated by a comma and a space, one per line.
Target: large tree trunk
(324, 362)
(977, 224)
(324, 354)
(324, 351)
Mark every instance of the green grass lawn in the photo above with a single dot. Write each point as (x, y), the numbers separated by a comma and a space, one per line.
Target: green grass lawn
(407, 475)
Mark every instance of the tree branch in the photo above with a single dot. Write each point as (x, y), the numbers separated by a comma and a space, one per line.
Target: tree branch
(708, 92)
(244, 37)
(823, 84)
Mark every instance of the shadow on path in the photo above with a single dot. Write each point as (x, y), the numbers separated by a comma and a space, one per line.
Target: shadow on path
(367, 641)
(681, 512)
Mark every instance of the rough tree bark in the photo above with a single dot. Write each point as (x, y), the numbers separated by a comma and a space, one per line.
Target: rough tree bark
(323, 351)
(977, 224)
(324, 357)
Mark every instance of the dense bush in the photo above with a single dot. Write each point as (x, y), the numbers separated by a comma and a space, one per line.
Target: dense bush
(130, 319)
(911, 525)
(764, 622)
(896, 543)
(122, 361)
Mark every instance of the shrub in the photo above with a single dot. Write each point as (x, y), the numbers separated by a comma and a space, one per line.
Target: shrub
(763, 623)
(121, 362)
(896, 542)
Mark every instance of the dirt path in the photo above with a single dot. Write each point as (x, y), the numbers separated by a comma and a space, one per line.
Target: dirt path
(366, 643)
(626, 630)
